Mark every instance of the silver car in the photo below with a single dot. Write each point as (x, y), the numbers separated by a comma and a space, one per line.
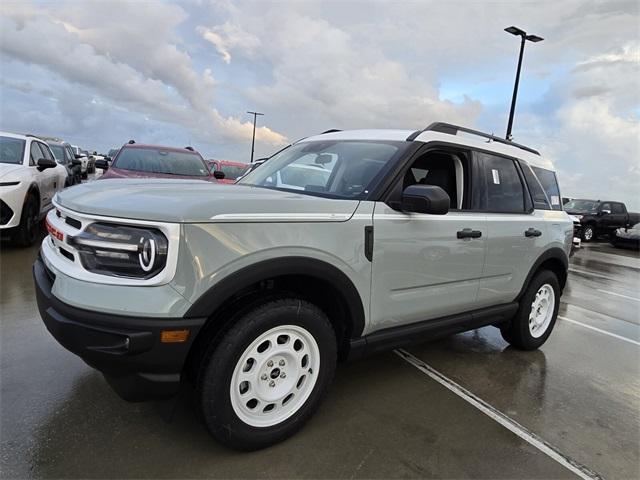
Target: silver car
(341, 245)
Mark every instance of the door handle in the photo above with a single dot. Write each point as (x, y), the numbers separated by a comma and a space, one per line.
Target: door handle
(532, 232)
(468, 233)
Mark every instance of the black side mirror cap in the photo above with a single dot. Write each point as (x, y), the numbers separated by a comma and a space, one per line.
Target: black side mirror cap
(425, 199)
(102, 163)
(45, 163)
(75, 161)
(218, 174)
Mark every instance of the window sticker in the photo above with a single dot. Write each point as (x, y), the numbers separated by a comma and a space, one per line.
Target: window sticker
(496, 176)
(555, 200)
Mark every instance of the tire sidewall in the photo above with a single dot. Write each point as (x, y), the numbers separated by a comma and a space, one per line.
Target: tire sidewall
(27, 232)
(521, 326)
(215, 379)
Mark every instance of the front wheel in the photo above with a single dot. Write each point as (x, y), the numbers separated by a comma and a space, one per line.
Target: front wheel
(537, 313)
(268, 374)
(588, 233)
(27, 232)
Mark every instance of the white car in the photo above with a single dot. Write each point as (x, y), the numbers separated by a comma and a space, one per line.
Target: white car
(84, 159)
(29, 178)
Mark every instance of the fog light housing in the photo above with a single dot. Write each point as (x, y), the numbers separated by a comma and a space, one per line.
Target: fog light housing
(121, 250)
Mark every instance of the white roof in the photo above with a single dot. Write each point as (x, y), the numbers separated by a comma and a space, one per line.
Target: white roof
(15, 135)
(463, 139)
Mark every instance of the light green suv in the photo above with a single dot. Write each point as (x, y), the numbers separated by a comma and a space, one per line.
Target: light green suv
(254, 291)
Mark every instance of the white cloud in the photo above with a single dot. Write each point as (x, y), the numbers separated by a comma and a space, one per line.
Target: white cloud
(127, 53)
(228, 37)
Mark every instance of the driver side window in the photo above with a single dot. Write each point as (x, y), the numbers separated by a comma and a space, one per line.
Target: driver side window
(444, 169)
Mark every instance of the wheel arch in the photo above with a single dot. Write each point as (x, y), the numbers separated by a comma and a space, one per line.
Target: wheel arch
(554, 259)
(315, 280)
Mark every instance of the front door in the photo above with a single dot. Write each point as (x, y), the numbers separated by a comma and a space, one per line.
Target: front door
(427, 266)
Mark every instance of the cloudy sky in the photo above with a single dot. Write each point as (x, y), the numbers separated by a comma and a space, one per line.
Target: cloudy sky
(98, 73)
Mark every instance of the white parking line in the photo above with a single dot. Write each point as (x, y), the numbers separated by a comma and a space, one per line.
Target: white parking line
(619, 295)
(508, 423)
(599, 330)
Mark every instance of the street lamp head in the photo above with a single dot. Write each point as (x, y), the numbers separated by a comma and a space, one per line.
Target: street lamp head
(534, 38)
(515, 31)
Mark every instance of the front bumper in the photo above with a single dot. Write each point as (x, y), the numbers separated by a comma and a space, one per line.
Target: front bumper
(127, 350)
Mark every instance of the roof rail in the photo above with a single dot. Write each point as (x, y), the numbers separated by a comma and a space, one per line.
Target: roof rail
(332, 130)
(131, 142)
(451, 129)
(190, 148)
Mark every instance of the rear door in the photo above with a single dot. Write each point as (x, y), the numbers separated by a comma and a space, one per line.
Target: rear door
(516, 232)
(618, 217)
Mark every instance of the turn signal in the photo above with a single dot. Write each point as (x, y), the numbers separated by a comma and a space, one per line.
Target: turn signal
(174, 336)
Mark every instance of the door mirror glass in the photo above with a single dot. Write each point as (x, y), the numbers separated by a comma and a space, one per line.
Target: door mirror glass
(425, 199)
(45, 163)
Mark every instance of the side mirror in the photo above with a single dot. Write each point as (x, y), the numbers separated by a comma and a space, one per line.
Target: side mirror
(425, 199)
(77, 155)
(102, 163)
(218, 174)
(75, 161)
(45, 163)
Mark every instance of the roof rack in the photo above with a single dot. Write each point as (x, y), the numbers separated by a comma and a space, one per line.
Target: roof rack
(451, 129)
(190, 148)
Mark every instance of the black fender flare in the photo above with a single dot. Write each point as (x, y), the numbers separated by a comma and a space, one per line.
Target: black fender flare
(554, 253)
(223, 290)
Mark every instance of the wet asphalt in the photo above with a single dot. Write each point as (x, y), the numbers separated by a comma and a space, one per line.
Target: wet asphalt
(383, 417)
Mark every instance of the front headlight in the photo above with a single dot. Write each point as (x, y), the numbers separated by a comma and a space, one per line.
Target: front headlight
(121, 251)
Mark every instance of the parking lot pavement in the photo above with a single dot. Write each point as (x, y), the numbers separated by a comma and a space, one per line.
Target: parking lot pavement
(383, 417)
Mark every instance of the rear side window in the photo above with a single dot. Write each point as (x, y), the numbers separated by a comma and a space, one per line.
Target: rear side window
(549, 182)
(540, 200)
(503, 187)
(617, 208)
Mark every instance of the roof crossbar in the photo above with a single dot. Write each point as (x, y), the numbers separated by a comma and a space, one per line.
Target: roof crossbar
(451, 129)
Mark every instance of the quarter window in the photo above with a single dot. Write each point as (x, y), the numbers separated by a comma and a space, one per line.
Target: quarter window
(549, 182)
(540, 200)
(503, 187)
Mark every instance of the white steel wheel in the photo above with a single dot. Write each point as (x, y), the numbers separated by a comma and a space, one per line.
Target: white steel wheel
(542, 309)
(275, 376)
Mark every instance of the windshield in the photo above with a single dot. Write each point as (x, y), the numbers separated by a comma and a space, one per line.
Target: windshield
(342, 169)
(57, 152)
(581, 206)
(11, 150)
(155, 160)
(231, 172)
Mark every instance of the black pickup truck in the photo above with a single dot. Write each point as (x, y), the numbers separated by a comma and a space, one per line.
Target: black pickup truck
(599, 217)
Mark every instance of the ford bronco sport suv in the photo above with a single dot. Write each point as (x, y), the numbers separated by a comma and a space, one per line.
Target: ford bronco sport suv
(253, 291)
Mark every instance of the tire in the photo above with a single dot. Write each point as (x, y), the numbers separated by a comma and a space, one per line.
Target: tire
(528, 330)
(588, 233)
(287, 345)
(26, 233)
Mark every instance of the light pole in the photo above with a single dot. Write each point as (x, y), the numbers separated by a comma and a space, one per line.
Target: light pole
(253, 138)
(532, 38)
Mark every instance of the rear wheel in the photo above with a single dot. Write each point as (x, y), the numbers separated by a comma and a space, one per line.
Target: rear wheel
(537, 313)
(26, 233)
(268, 374)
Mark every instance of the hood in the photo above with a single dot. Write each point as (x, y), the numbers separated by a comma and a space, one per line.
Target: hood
(7, 168)
(120, 173)
(197, 201)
